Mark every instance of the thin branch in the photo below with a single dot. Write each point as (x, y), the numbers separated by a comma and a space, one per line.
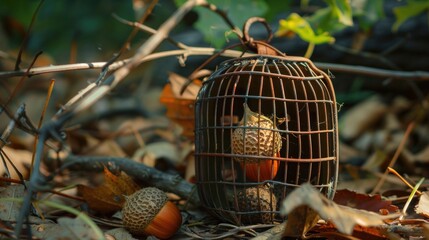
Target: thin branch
(11, 126)
(191, 51)
(394, 158)
(150, 30)
(224, 16)
(27, 35)
(201, 51)
(139, 171)
(131, 36)
(374, 72)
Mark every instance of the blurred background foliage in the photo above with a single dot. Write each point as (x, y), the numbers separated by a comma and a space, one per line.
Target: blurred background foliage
(385, 34)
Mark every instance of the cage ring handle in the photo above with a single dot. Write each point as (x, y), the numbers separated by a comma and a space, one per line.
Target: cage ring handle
(260, 46)
(247, 38)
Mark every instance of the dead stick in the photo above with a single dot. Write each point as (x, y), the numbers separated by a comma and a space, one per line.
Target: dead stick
(395, 157)
(168, 182)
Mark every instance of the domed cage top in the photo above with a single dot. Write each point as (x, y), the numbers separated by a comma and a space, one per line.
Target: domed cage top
(264, 125)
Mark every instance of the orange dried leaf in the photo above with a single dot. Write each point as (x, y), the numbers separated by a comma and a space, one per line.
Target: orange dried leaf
(122, 184)
(109, 197)
(101, 199)
(179, 110)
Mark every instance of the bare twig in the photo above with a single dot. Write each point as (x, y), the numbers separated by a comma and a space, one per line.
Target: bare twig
(191, 51)
(395, 157)
(20, 83)
(27, 35)
(11, 126)
(127, 43)
(139, 171)
(273, 233)
(374, 72)
(42, 116)
(224, 16)
(392, 170)
(150, 30)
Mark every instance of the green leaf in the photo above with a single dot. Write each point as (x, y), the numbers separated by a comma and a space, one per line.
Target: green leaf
(342, 11)
(367, 12)
(295, 23)
(324, 21)
(214, 28)
(335, 17)
(411, 9)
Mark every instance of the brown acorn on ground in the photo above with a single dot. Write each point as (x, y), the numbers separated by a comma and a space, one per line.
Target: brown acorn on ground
(148, 212)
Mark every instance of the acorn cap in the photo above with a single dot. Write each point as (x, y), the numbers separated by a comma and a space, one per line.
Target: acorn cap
(141, 207)
(260, 204)
(256, 135)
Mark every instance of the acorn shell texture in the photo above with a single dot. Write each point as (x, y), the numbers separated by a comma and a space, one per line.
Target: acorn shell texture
(256, 135)
(259, 202)
(141, 207)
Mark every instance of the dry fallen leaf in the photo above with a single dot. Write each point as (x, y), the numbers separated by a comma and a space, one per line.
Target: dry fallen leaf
(422, 156)
(300, 221)
(362, 117)
(109, 197)
(177, 82)
(426, 230)
(344, 218)
(75, 227)
(20, 158)
(367, 202)
(328, 231)
(179, 110)
(86, 144)
(9, 210)
(422, 207)
(120, 234)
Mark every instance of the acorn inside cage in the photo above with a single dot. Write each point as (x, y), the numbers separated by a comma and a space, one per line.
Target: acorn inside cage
(263, 126)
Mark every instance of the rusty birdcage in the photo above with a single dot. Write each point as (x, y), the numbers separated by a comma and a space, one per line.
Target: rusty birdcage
(263, 126)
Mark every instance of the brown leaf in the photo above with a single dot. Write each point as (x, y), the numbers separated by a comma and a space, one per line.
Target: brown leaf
(300, 221)
(108, 197)
(367, 202)
(422, 156)
(180, 110)
(21, 159)
(362, 117)
(344, 218)
(177, 82)
(101, 199)
(426, 230)
(328, 231)
(122, 184)
(422, 208)
(86, 144)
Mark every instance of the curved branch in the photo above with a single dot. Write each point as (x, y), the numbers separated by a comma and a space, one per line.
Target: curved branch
(191, 51)
(139, 171)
